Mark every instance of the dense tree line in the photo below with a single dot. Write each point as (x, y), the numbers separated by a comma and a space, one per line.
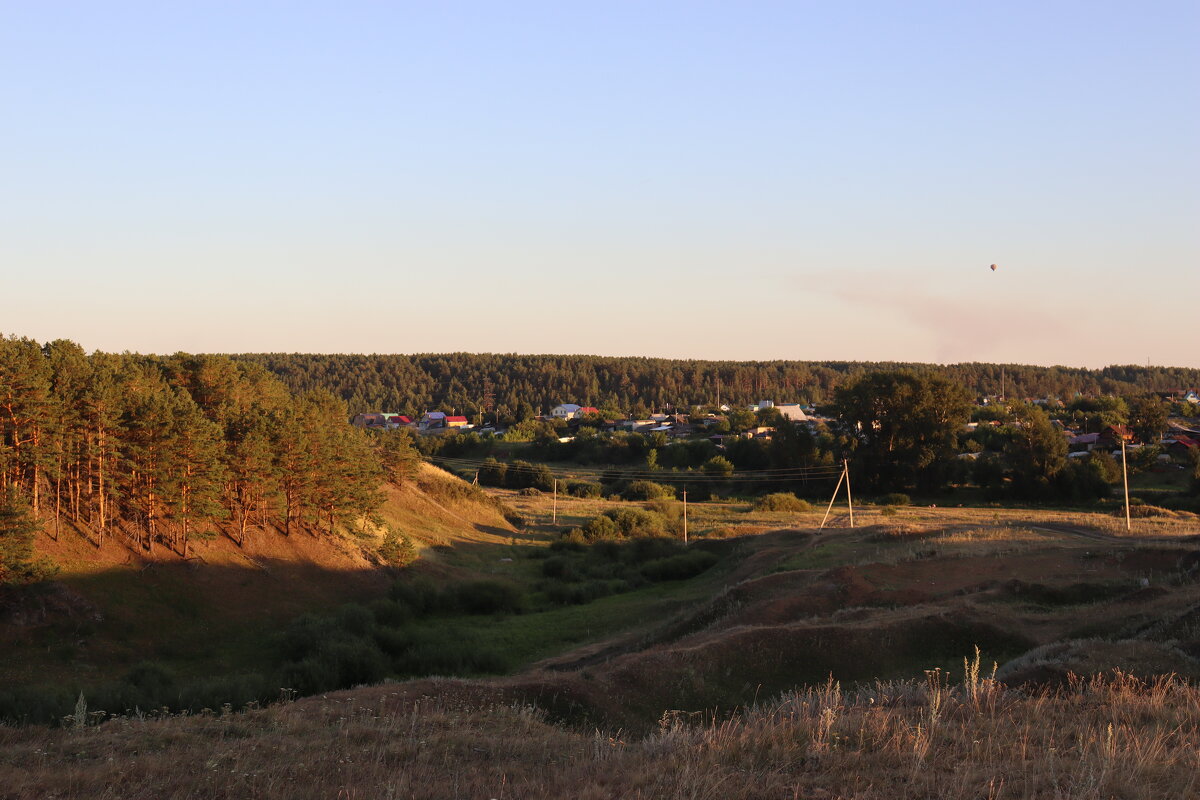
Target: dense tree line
(160, 448)
(521, 386)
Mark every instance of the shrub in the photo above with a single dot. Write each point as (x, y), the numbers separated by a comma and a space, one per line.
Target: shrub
(573, 539)
(529, 491)
(894, 499)
(782, 501)
(354, 619)
(633, 522)
(601, 528)
(341, 664)
(586, 489)
(421, 596)
(579, 593)
(559, 567)
(446, 652)
(719, 466)
(649, 549)
(390, 613)
(397, 549)
(678, 567)
(493, 472)
(646, 490)
(487, 597)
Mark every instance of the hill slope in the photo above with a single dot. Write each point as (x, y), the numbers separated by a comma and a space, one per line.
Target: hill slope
(114, 605)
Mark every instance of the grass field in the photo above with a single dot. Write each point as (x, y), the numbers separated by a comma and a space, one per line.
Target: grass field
(713, 686)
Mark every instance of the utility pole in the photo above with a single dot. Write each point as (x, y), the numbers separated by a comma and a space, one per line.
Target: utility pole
(849, 499)
(1125, 477)
(841, 478)
(685, 539)
(554, 511)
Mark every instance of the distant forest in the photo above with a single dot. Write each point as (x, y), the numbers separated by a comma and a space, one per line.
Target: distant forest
(515, 387)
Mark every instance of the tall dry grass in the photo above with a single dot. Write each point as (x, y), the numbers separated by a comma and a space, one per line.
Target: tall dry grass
(1111, 737)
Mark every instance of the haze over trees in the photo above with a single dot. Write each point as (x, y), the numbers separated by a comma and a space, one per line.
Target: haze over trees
(521, 386)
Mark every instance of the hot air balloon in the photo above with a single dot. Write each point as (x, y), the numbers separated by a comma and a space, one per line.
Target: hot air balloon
(993, 267)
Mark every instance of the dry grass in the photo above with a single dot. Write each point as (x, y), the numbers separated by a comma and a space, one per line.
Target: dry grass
(1101, 738)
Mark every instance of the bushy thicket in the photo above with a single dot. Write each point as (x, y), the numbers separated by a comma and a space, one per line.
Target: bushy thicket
(628, 523)
(517, 475)
(577, 573)
(148, 687)
(355, 644)
(646, 490)
(365, 644)
(782, 501)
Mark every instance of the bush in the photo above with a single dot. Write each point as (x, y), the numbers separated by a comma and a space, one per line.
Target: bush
(421, 596)
(397, 549)
(529, 491)
(649, 549)
(680, 567)
(561, 568)
(580, 593)
(586, 489)
(894, 499)
(782, 501)
(573, 539)
(487, 597)
(646, 490)
(600, 529)
(632, 522)
(390, 613)
(493, 472)
(339, 665)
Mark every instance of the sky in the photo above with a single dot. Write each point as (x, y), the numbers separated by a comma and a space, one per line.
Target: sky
(759, 180)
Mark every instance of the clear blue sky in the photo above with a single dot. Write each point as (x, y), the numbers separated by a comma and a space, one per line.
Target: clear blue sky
(726, 180)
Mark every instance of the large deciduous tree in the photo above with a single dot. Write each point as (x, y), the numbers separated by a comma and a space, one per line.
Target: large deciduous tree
(903, 426)
(1148, 418)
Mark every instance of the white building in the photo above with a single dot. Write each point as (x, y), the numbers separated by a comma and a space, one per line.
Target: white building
(565, 411)
(792, 412)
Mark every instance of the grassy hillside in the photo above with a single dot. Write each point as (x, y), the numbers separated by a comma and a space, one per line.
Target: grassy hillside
(112, 606)
(799, 662)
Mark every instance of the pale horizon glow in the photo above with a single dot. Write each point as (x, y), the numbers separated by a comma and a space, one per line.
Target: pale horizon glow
(803, 181)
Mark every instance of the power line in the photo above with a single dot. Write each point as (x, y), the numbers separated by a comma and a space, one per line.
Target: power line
(798, 475)
(491, 461)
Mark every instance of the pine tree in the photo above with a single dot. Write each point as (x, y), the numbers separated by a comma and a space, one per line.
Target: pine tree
(18, 528)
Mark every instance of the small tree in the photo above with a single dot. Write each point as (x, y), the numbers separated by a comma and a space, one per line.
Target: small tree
(397, 549)
(17, 530)
(719, 466)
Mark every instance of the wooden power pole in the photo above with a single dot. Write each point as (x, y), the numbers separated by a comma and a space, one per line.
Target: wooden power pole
(1125, 478)
(685, 538)
(849, 498)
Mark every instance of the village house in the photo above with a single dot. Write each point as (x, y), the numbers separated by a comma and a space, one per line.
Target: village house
(1182, 449)
(431, 419)
(566, 411)
(1112, 436)
(792, 412)
(381, 419)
